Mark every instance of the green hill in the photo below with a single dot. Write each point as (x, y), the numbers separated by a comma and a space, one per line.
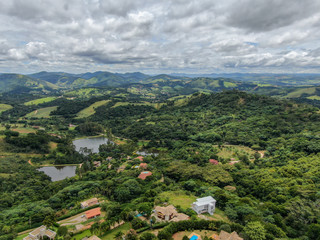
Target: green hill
(9, 82)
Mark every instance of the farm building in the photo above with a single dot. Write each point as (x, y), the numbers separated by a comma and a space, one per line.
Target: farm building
(96, 212)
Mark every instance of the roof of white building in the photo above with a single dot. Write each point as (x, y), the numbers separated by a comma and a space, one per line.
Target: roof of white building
(204, 200)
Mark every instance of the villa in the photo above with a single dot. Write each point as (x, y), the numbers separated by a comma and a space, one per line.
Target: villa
(203, 205)
(169, 213)
(144, 175)
(89, 202)
(143, 165)
(39, 233)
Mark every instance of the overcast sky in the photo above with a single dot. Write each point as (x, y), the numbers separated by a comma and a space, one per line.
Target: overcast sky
(160, 36)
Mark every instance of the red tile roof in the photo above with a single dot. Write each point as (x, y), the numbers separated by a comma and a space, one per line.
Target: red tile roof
(140, 158)
(213, 161)
(93, 213)
(143, 175)
(143, 165)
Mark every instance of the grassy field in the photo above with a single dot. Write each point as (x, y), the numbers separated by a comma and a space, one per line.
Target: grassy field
(4, 107)
(109, 236)
(41, 113)
(314, 97)
(232, 151)
(40, 100)
(91, 109)
(123, 228)
(297, 93)
(179, 198)
(155, 105)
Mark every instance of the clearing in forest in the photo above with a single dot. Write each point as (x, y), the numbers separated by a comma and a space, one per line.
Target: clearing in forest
(40, 100)
(4, 107)
(91, 109)
(41, 113)
(178, 198)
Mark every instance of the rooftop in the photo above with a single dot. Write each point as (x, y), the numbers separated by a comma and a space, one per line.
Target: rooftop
(205, 200)
(93, 212)
(166, 210)
(144, 175)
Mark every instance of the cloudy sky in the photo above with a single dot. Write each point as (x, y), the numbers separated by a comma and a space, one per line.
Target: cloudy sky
(160, 36)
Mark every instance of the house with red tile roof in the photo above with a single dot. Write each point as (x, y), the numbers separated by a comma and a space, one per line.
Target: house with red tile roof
(140, 158)
(213, 161)
(144, 175)
(96, 212)
(143, 165)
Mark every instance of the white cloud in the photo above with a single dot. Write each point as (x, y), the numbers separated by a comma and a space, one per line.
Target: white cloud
(159, 36)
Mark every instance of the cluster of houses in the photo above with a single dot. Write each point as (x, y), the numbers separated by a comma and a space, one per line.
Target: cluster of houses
(143, 175)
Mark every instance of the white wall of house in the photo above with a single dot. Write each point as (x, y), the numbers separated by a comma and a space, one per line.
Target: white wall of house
(203, 205)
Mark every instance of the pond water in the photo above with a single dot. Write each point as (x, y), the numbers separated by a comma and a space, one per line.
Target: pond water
(59, 173)
(90, 143)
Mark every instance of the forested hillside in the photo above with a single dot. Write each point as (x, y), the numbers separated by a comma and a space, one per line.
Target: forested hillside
(264, 173)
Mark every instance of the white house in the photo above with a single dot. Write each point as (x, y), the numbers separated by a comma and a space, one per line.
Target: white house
(205, 204)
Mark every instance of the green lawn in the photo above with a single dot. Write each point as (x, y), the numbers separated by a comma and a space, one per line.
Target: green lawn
(4, 107)
(41, 113)
(179, 198)
(111, 234)
(91, 109)
(39, 101)
(20, 237)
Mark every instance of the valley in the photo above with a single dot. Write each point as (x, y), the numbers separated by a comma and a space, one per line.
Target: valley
(253, 146)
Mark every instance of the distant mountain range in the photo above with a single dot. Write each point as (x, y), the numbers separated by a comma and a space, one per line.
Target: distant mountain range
(53, 81)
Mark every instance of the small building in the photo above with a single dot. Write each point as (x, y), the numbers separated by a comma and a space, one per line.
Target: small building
(39, 233)
(213, 161)
(144, 175)
(97, 163)
(226, 236)
(93, 213)
(194, 236)
(143, 165)
(89, 202)
(203, 205)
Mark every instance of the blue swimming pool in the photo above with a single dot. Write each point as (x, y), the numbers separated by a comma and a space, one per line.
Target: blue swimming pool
(139, 215)
(194, 237)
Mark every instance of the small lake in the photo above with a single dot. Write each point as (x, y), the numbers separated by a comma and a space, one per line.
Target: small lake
(59, 173)
(90, 143)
